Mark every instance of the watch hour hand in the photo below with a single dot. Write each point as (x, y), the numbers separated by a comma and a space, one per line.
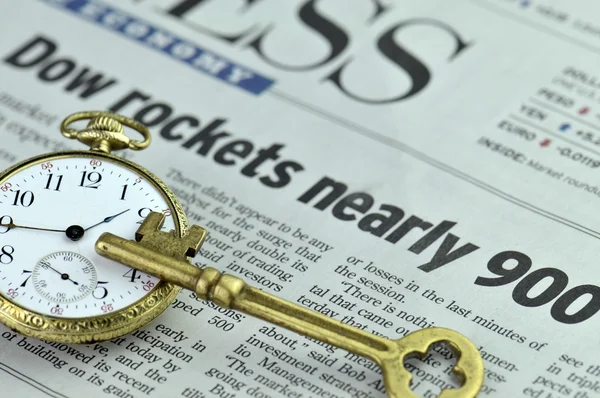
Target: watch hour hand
(76, 232)
(108, 219)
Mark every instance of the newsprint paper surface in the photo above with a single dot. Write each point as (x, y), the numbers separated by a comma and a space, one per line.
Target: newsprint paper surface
(392, 164)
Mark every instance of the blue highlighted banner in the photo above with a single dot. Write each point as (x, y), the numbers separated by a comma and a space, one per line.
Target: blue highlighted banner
(167, 43)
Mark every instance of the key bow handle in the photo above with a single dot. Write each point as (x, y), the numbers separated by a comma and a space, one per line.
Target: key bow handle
(468, 368)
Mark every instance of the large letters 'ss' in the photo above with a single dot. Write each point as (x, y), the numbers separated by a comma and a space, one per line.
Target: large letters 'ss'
(253, 36)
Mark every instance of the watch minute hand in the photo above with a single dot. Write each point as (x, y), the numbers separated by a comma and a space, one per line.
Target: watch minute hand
(13, 226)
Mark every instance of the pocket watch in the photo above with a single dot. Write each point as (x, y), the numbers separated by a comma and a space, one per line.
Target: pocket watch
(53, 207)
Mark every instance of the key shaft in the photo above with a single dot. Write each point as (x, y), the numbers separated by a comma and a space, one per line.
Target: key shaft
(232, 292)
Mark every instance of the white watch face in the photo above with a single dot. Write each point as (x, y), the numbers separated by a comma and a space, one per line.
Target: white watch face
(52, 213)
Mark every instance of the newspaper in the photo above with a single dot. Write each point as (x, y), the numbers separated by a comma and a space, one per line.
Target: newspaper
(417, 163)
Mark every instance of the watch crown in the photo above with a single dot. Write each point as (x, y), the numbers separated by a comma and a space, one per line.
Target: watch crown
(105, 132)
(105, 123)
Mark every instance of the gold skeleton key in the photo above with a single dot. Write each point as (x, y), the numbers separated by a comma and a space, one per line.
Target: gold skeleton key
(164, 255)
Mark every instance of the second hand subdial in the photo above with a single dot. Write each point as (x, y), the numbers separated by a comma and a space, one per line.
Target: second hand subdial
(72, 267)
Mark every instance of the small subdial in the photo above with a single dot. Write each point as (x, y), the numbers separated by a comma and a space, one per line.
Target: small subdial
(64, 277)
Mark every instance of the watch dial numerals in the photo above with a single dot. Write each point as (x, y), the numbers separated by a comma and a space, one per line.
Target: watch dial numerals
(7, 254)
(90, 179)
(5, 187)
(54, 182)
(106, 308)
(24, 199)
(143, 213)
(124, 191)
(101, 291)
(56, 310)
(84, 289)
(148, 285)
(28, 276)
(132, 275)
(53, 274)
(5, 220)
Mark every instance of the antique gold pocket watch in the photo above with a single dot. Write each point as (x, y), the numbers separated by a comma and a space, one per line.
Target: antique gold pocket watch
(66, 220)
(53, 207)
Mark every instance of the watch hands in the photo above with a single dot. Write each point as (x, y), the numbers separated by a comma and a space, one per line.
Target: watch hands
(108, 219)
(76, 232)
(13, 225)
(63, 276)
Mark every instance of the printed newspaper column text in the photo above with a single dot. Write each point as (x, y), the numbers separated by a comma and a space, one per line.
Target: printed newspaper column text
(140, 363)
(242, 240)
(566, 376)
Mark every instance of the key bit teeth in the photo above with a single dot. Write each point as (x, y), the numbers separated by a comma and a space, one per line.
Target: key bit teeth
(153, 223)
(194, 239)
(150, 236)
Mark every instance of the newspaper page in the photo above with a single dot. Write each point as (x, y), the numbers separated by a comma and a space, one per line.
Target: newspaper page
(394, 165)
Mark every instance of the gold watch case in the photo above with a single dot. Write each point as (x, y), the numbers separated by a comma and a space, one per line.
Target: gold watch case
(102, 327)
